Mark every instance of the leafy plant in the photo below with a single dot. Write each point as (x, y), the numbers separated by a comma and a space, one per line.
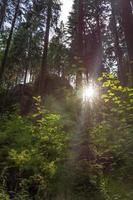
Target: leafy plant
(32, 149)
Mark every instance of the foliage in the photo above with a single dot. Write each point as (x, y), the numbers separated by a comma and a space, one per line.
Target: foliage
(63, 149)
(31, 151)
(112, 136)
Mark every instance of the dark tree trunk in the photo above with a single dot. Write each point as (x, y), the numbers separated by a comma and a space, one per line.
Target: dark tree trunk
(127, 19)
(80, 46)
(44, 70)
(4, 60)
(3, 12)
(98, 66)
(121, 74)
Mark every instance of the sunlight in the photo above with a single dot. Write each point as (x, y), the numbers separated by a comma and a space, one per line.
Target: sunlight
(89, 92)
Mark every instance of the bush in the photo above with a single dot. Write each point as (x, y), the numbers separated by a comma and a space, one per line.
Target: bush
(31, 151)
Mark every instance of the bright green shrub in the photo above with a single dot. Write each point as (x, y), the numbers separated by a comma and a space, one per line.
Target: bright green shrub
(31, 150)
(112, 137)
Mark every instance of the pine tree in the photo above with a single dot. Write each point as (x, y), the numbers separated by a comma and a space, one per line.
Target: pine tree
(4, 60)
(58, 55)
(127, 22)
(85, 29)
(52, 14)
(43, 71)
(117, 42)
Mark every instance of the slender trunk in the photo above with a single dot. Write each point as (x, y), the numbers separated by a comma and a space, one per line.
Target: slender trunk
(127, 19)
(29, 57)
(4, 60)
(99, 51)
(80, 46)
(80, 28)
(117, 45)
(44, 71)
(132, 4)
(16, 81)
(25, 75)
(2, 12)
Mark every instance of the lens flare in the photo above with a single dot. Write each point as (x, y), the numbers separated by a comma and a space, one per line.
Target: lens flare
(89, 93)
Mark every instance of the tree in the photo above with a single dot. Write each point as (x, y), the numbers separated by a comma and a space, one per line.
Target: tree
(117, 43)
(43, 71)
(76, 29)
(127, 22)
(25, 51)
(86, 25)
(3, 7)
(4, 60)
(52, 14)
(58, 55)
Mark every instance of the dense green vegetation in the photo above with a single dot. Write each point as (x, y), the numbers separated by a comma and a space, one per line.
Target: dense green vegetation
(66, 100)
(60, 155)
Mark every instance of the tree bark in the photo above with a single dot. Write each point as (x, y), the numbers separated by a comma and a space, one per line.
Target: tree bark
(4, 60)
(44, 70)
(127, 19)
(98, 65)
(121, 74)
(80, 46)
(2, 12)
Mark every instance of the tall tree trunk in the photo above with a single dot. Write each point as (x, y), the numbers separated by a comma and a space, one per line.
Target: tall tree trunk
(28, 64)
(2, 12)
(4, 60)
(127, 19)
(132, 4)
(98, 67)
(80, 46)
(44, 70)
(25, 75)
(121, 74)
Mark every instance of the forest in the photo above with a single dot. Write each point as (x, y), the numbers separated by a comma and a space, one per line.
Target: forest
(66, 100)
